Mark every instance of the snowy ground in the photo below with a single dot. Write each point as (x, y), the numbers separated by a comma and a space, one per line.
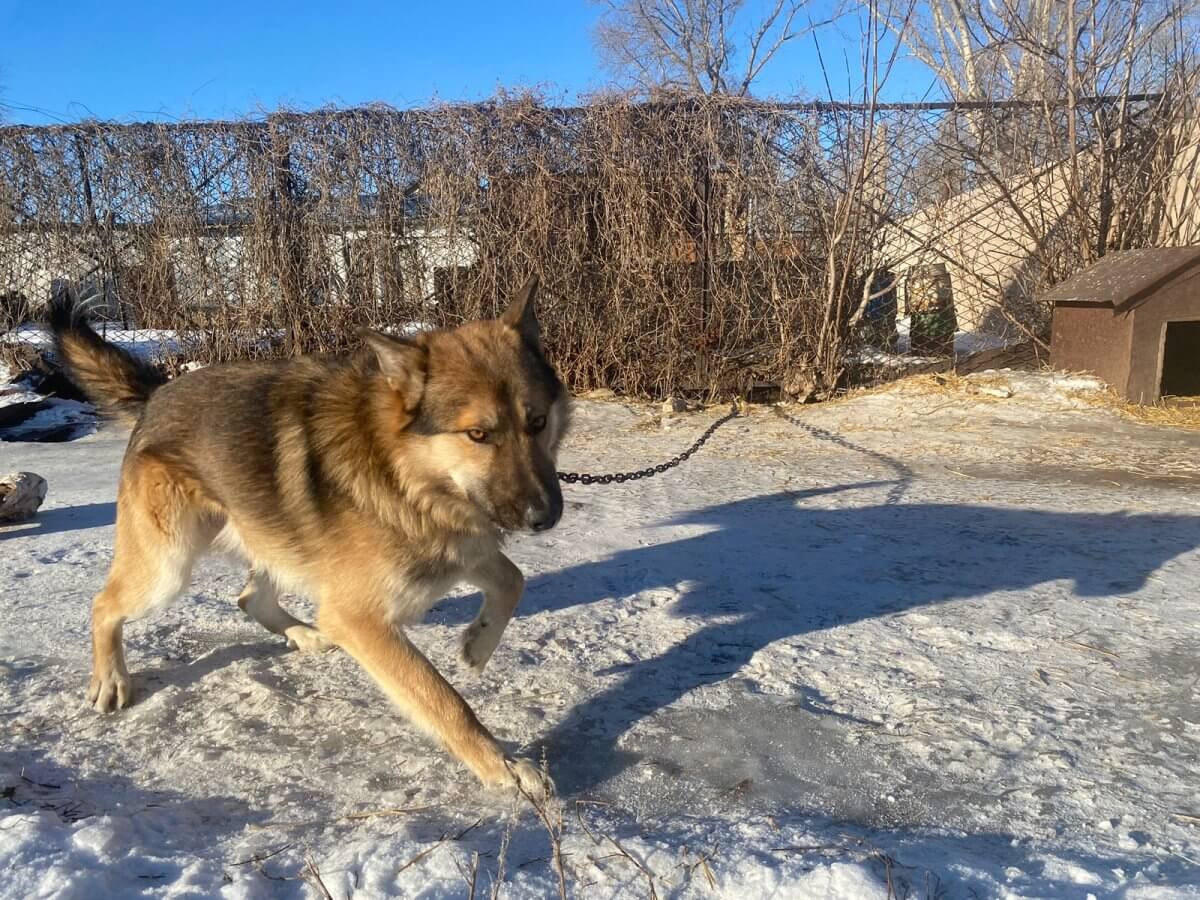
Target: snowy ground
(918, 644)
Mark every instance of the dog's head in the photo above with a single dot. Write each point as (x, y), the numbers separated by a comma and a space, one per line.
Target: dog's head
(483, 412)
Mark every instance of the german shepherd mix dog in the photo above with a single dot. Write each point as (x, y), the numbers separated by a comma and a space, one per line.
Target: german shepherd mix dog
(370, 483)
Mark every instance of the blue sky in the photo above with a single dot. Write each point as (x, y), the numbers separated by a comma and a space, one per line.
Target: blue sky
(62, 61)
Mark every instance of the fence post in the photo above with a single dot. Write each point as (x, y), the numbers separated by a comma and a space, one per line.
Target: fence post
(706, 269)
(108, 256)
(288, 249)
(703, 362)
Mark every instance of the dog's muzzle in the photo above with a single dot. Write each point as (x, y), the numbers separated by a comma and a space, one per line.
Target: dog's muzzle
(543, 514)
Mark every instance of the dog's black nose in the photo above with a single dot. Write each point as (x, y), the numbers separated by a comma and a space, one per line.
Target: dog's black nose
(542, 519)
(544, 516)
(546, 505)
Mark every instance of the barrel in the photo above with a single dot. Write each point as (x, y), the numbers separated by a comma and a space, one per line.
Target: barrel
(929, 304)
(878, 327)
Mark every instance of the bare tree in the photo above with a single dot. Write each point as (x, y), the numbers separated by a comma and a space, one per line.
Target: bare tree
(1035, 49)
(1063, 178)
(698, 46)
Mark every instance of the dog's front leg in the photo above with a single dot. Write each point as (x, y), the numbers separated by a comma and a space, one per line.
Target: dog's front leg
(420, 691)
(502, 585)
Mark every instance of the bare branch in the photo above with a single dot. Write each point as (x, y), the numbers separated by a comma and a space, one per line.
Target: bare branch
(700, 46)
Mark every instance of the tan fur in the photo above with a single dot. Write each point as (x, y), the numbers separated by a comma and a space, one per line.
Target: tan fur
(359, 482)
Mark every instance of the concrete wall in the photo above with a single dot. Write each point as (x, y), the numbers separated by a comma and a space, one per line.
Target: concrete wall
(1181, 223)
(989, 239)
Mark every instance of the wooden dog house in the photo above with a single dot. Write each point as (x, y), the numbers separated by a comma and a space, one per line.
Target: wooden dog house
(1133, 319)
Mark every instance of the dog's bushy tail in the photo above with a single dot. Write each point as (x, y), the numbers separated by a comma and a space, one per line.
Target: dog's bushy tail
(115, 380)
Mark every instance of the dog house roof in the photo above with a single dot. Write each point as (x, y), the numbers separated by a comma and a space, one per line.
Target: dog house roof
(1125, 279)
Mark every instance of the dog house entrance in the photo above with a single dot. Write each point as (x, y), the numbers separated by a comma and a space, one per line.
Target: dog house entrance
(1181, 360)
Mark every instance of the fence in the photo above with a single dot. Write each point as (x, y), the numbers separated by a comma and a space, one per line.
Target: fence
(699, 247)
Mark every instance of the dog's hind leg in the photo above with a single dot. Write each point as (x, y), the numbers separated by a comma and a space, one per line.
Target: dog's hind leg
(260, 601)
(412, 682)
(159, 534)
(502, 585)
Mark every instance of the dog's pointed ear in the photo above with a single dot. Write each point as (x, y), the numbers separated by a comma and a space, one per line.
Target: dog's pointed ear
(403, 362)
(522, 313)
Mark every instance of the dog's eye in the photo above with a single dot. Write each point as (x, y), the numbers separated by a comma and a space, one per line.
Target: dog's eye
(536, 424)
(478, 435)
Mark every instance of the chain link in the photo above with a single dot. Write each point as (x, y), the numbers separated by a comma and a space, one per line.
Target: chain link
(622, 477)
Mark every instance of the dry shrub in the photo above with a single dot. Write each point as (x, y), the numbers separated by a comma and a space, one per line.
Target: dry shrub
(695, 247)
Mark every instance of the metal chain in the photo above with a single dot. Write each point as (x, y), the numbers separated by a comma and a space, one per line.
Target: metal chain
(622, 477)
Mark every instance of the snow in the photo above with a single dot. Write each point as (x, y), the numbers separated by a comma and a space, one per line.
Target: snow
(157, 343)
(56, 413)
(965, 342)
(146, 343)
(945, 641)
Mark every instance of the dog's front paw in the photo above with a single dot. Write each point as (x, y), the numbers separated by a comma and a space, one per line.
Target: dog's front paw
(479, 643)
(110, 691)
(529, 780)
(307, 639)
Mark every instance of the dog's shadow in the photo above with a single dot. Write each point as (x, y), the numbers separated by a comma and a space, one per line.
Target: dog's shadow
(177, 673)
(771, 568)
(63, 519)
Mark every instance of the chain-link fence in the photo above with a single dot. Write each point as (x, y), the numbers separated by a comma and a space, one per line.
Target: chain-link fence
(701, 247)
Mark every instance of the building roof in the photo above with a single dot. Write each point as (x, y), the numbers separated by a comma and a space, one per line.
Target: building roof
(1125, 279)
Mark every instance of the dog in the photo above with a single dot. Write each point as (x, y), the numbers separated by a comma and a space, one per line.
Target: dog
(371, 482)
